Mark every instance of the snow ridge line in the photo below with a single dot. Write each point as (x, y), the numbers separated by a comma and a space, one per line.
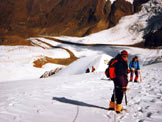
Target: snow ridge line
(152, 60)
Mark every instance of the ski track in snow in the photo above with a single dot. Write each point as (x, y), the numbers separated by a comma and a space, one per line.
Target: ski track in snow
(80, 98)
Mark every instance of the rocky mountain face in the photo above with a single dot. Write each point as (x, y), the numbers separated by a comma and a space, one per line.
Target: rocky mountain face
(153, 39)
(153, 30)
(26, 18)
(20, 19)
(138, 4)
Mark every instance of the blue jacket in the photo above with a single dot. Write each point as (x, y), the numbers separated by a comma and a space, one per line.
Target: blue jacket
(134, 65)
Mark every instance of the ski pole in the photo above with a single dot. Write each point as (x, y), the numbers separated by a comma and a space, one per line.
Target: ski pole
(140, 76)
(115, 104)
(126, 102)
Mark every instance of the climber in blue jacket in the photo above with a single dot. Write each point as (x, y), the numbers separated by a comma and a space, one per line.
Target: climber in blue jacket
(134, 67)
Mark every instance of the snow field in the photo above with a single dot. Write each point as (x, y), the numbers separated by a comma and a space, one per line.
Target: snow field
(16, 63)
(72, 95)
(81, 98)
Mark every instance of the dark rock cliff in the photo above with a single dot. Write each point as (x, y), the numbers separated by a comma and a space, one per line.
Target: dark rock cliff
(26, 18)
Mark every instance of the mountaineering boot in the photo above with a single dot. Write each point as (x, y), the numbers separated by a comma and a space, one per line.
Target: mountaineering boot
(118, 108)
(111, 105)
(131, 78)
(136, 79)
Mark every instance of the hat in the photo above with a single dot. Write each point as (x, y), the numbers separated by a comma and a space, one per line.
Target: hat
(136, 57)
(124, 52)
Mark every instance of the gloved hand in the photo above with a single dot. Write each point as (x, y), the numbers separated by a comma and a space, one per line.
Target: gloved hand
(133, 69)
(129, 71)
(124, 89)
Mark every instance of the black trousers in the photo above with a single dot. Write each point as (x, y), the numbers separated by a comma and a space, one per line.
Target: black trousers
(118, 92)
(136, 74)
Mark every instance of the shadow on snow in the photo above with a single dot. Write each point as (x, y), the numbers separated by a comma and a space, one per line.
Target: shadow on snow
(75, 102)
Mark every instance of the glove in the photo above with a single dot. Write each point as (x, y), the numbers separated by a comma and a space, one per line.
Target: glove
(133, 69)
(124, 89)
(129, 71)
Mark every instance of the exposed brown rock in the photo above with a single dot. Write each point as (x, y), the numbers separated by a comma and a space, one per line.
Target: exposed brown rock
(119, 9)
(27, 18)
(61, 61)
(50, 73)
(14, 40)
(103, 14)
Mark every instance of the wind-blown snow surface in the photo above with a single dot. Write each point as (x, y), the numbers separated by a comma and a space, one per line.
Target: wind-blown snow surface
(16, 62)
(80, 66)
(131, 1)
(75, 96)
(80, 98)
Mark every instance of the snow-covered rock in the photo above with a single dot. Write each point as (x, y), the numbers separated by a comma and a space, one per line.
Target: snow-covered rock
(51, 72)
(99, 62)
(131, 1)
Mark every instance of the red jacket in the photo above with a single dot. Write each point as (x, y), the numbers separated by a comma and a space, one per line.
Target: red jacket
(121, 70)
(93, 69)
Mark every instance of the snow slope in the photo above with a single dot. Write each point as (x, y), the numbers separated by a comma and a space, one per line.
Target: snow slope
(80, 66)
(16, 62)
(80, 98)
(73, 95)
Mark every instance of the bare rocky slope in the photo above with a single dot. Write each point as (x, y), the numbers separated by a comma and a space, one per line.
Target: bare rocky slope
(20, 19)
(58, 17)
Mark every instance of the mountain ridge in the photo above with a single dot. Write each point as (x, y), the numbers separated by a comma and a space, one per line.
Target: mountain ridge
(58, 17)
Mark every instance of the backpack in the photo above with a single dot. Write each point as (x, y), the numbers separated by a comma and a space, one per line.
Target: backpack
(110, 70)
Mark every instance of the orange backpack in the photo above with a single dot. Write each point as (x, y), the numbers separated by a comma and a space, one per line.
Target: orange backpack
(110, 71)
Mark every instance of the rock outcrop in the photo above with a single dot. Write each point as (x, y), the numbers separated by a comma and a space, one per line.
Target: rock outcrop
(50, 73)
(138, 5)
(26, 18)
(153, 39)
(119, 9)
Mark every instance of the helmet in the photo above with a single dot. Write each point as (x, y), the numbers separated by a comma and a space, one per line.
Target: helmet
(124, 52)
(136, 57)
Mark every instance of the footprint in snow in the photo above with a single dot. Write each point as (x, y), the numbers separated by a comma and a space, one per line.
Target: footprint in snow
(154, 79)
(149, 114)
(152, 89)
(38, 111)
(147, 107)
(141, 110)
(137, 103)
(110, 114)
(153, 101)
(142, 120)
